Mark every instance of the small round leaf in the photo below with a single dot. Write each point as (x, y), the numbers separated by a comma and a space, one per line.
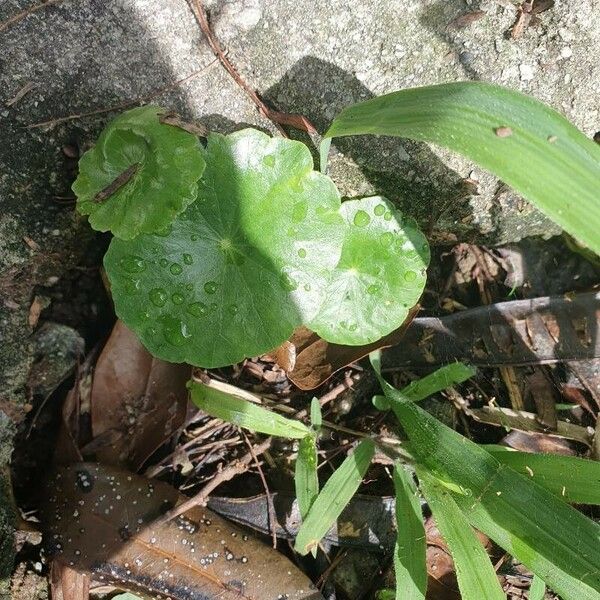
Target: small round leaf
(140, 174)
(380, 276)
(243, 265)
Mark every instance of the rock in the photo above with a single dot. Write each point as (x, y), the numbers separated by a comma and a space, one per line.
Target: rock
(301, 56)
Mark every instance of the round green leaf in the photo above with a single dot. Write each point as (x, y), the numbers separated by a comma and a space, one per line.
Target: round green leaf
(140, 174)
(380, 276)
(243, 265)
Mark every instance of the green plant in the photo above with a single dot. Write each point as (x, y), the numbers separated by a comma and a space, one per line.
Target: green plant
(221, 251)
(249, 245)
(519, 500)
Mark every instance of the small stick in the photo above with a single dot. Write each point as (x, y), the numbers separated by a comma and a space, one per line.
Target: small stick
(151, 96)
(272, 516)
(277, 118)
(235, 468)
(29, 11)
(117, 184)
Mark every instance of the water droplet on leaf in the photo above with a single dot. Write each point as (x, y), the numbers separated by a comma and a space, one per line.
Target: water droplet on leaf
(188, 259)
(158, 297)
(379, 210)
(300, 211)
(388, 216)
(302, 253)
(133, 264)
(269, 160)
(198, 309)
(361, 218)
(233, 309)
(386, 238)
(176, 269)
(177, 298)
(210, 287)
(373, 289)
(175, 331)
(410, 275)
(163, 262)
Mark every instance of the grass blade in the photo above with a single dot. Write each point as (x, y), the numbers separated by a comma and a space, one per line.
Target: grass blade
(537, 590)
(334, 496)
(431, 384)
(525, 143)
(551, 538)
(244, 413)
(410, 551)
(575, 480)
(316, 417)
(305, 476)
(476, 577)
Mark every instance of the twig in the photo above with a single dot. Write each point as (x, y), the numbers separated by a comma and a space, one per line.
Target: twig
(277, 118)
(272, 516)
(28, 11)
(151, 96)
(235, 468)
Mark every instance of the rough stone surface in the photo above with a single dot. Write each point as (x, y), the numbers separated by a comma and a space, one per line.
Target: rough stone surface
(302, 56)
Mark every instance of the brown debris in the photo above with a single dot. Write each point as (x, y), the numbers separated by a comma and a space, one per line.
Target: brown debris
(316, 360)
(117, 183)
(466, 19)
(175, 120)
(527, 15)
(99, 520)
(35, 310)
(139, 399)
(503, 132)
(20, 94)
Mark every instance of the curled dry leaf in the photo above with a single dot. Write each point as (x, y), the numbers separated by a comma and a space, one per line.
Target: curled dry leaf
(98, 520)
(315, 360)
(137, 401)
(542, 330)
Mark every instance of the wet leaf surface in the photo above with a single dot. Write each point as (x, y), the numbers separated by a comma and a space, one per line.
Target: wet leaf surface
(98, 519)
(137, 401)
(140, 174)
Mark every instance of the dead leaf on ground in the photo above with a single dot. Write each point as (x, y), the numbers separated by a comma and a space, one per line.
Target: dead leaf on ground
(137, 401)
(542, 330)
(68, 584)
(98, 520)
(538, 442)
(316, 360)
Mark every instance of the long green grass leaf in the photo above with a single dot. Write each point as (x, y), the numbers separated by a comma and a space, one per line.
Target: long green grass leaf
(525, 143)
(410, 550)
(244, 413)
(537, 590)
(334, 496)
(305, 476)
(431, 384)
(476, 577)
(551, 538)
(575, 480)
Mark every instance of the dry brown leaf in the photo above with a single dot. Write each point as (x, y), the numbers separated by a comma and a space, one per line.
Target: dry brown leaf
(68, 584)
(98, 520)
(139, 399)
(316, 360)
